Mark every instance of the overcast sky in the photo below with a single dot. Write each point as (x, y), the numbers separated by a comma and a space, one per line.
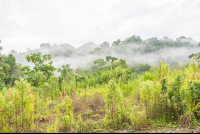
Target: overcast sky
(29, 23)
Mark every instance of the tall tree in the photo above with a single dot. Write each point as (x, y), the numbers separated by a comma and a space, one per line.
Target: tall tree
(112, 59)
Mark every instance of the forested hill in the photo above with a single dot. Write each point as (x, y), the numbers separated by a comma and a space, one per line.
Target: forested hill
(134, 49)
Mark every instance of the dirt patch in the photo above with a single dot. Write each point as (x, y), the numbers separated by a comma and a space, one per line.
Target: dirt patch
(163, 130)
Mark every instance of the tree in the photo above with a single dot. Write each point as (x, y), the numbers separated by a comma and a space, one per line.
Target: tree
(182, 37)
(18, 72)
(133, 39)
(100, 63)
(38, 59)
(122, 63)
(65, 70)
(113, 59)
(78, 70)
(4, 69)
(45, 45)
(104, 45)
(82, 72)
(10, 60)
(97, 50)
(143, 68)
(38, 79)
(196, 56)
(116, 43)
(0, 52)
(78, 79)
(8, 68)
(4, 74)
(2, 83)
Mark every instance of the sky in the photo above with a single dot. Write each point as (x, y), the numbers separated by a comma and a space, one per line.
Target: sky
(29, 23)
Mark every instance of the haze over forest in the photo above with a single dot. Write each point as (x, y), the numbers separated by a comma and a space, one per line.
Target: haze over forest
(133, 49)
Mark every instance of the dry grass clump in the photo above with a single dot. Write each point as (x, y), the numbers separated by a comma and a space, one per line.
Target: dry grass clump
(97, 103)
(89, 107)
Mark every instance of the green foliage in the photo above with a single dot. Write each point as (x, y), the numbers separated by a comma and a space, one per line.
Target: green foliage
(39, 61)
(38, 79)
(2, 84)
(122, 63)
(2, 102)
(82, 72)
(196, 56)
(66, 72)
(115, 111)
(22, 87)
(149, 76)
(97, 51)
(54, 87)
(80, 124)
(112, 60)
(116, 43)
(22, 96)
(10, 59)
(133, 39)
(142, 68)
(100, 63)
(45, 45)
(194, 87)
(8, 70)
(105, 45)
(68, 118)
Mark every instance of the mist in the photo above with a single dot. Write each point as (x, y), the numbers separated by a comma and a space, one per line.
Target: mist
(134, 53)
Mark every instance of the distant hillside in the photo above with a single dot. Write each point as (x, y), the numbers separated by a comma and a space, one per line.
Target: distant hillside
(133, 48)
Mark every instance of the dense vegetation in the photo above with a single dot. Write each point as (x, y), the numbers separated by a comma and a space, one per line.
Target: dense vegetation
(110, 95)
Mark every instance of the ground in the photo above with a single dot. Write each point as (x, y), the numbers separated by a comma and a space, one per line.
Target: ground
(195, 129)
